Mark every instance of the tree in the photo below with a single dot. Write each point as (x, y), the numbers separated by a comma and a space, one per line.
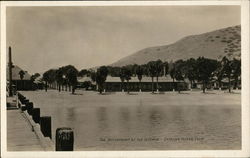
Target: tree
(93, 77)
(152, 72)
(236, 66)
(172, 73)
(83, 72)
(59, 78)
(190, 71)
(205, 69)
(219, 73)
(165, 68)
(21, 75)
(139, 73)
(122, 77)
(228, 70)
(114, 71)
(71, 75)
(158, 71)
(46, 79)
(133, 69)
(179, 72)
(101, 76)
(34, 76)
(49, 78)
(127, 76)
(86, 84)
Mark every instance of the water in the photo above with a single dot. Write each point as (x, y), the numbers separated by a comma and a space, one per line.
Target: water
(144, 121)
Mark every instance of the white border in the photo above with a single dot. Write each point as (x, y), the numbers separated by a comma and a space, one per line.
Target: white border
(169, 153)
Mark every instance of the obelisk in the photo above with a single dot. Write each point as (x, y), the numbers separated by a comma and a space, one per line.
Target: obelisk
(10, 74)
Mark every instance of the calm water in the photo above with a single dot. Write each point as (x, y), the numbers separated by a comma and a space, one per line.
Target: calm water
(145, 121)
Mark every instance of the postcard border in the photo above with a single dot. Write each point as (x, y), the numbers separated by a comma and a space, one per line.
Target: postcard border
(169, 153)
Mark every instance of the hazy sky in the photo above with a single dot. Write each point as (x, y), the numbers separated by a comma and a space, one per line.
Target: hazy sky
(47, 37)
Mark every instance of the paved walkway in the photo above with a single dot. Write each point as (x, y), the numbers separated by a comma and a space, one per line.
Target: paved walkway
(19, 133)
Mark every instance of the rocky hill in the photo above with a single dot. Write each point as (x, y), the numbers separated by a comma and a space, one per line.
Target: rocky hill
(214, 45)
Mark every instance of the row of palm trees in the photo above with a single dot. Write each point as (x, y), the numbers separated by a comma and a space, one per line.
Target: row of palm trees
(202, 70)
(63, 78)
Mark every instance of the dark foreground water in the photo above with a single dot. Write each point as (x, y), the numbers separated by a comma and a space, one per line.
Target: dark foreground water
(145, 121)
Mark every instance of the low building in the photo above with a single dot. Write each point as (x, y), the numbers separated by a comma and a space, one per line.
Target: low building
(38, 83)
(86, 82)
(114, 84)
(19, 83)
(164, 84)
(224, 84)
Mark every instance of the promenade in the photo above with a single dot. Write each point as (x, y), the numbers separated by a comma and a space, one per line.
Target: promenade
(20, 136)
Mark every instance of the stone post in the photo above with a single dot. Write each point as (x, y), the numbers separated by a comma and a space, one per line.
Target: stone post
(45, 124)
(64, 139)
(29, 107)
(36, 115)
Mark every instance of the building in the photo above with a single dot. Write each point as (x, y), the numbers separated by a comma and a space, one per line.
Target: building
(38, 83)
(164, 84)
(86, 83)
(20, 84)
(114, 84)
(225, 84)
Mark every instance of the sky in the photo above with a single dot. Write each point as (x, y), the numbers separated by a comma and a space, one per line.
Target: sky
(49, 37)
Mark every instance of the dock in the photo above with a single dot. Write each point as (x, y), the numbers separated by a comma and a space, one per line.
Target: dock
(21, 134)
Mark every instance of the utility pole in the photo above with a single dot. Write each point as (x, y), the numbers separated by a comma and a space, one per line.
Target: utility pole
(10, 74)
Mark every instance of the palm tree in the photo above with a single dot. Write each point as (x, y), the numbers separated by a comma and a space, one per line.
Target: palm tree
(21, 74)
(46, 79)
(219, 73)
(93, 77)
(190, 71)
(236, 64)
(152, 72)
(122, 77)
(139, 73)
(52, 78)
(179, 76)
(127, 76)
(84, 72)
(165, 68)
(71, 75)
(205, 69)
(101, 76)
(172, 74)
(228, 70)
(59, 78)
(158, 70)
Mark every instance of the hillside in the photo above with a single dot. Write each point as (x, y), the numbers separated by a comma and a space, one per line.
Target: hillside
(214, 45)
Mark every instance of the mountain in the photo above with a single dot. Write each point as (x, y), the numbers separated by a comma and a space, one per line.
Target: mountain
(214, 45)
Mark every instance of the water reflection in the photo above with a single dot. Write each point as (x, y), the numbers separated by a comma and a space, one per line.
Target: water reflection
(71, 117)
(219, 125)
(124, 115)
(155, 117)
(215, 125)
(101, 115)
(139, 112)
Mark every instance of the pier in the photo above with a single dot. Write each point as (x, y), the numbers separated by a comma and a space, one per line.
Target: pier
(23, 134)
(19, 133)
